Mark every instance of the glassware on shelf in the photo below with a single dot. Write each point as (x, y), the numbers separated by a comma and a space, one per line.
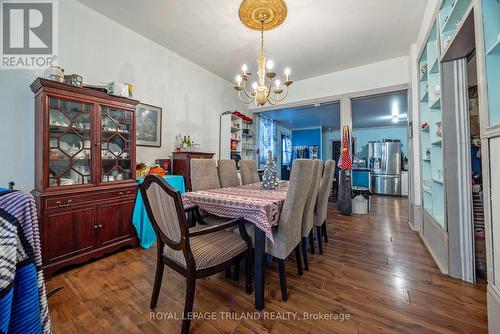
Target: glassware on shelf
(115, 144)
(70, 143)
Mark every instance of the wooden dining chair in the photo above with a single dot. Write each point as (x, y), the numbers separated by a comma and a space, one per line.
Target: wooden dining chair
(287, 236)
(204, 174)
(308, 216)
(248, 171)
(228, 175)
(321, 211)
(194, 253)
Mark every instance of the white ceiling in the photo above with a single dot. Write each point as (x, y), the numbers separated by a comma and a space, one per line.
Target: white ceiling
(317, 37)
(376, 110)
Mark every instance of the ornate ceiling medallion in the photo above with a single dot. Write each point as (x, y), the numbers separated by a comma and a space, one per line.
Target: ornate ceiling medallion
(253, 12)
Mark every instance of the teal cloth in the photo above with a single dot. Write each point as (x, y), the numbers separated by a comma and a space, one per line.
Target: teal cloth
(140, 218)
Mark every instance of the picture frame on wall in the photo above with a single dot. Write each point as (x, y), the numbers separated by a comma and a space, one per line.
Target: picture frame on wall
(148, 125)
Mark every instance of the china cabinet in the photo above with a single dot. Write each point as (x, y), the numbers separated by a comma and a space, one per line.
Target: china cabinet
(84, 172)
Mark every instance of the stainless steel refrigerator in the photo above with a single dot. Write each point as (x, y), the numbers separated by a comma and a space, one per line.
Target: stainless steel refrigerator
(384, 159)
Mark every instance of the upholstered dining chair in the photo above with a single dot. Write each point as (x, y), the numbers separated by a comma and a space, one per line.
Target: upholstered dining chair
(228, 175)
(192, 252)
(308, 216)
(287, 236)
(204, 174)
(248, 170)
(322, 203)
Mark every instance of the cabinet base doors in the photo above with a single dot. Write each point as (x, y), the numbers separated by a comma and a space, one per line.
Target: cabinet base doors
(114, 222)
(68, 233)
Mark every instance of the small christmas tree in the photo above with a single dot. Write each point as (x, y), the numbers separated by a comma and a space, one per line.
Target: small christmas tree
(270, 179)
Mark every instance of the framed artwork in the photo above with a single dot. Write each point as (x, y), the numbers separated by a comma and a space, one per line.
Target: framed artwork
(148, 125)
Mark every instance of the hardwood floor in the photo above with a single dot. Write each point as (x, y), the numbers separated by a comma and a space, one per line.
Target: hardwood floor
(374, 270)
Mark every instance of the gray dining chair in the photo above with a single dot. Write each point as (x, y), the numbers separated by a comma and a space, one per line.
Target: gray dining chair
(322, 204)
(228, 175)
(204, 174)
(248, 171)
(192, 252)
(308, 216)
(287, 236)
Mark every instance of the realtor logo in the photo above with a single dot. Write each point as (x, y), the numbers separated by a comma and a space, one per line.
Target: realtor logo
(28, 37)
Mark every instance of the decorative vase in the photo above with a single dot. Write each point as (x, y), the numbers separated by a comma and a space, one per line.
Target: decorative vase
(437, 90)
(439, 130)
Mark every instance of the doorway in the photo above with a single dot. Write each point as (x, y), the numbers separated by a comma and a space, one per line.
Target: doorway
(475, 169)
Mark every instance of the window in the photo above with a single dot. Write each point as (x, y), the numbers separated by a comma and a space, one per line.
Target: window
(267, 140)
(286, 149)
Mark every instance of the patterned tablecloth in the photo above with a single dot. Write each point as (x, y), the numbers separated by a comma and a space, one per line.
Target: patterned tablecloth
(251, 202)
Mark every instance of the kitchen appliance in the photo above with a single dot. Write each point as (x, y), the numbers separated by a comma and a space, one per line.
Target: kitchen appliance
(359, 163)
(384, 160)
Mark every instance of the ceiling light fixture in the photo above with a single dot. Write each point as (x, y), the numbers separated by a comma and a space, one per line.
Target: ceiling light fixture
(262, 15)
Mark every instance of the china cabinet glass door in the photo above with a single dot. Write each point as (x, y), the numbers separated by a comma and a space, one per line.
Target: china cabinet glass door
(69, 133)
(116, 127)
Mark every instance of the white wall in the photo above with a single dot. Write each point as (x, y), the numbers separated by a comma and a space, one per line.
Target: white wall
(101, 50)
(382, 74)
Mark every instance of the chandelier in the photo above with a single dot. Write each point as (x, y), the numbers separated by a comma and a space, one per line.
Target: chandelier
(262, 15)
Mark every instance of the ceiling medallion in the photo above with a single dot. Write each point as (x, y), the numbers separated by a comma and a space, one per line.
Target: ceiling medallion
(262, 15)
(253, 12)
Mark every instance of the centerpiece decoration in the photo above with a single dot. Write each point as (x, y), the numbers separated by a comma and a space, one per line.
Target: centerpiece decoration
(270, 179)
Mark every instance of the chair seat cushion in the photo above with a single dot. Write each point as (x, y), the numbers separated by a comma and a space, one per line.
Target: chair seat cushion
(209, 250)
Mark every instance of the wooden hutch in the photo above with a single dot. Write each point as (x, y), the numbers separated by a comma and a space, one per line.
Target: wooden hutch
(85, 185)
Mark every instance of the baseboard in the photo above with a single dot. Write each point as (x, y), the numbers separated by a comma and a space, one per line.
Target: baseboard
(436, 241)
(493, 296)
(415, 217)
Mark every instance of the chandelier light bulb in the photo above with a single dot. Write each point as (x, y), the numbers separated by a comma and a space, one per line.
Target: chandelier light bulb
(270, 65)
(244, 68)
(287, 73)
(238, 80)
(277, 83)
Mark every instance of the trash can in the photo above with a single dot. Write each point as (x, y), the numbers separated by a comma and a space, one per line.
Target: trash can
(360, 200)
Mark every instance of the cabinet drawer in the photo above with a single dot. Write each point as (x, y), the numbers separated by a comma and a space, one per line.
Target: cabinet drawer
(68, 201)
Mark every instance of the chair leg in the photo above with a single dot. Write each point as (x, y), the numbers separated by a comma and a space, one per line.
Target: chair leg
(298, 258)
(284, 292)
(228, 272)
(157, 285)
(248, 271)
(304, 253)
(320, 242)
(188, 306)
(324, 232)
(236, 275)
(311, 240)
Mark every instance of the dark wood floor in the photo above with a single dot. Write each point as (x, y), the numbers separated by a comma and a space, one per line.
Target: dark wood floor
(375, 270)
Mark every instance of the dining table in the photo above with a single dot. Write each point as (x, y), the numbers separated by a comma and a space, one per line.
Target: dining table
(253, 204)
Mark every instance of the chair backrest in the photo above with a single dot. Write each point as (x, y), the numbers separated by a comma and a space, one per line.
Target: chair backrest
(228, 175)
(248, 170)
(204, 174)
(324, 192)
(308, 217)
(290, 225)
(165, 211)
